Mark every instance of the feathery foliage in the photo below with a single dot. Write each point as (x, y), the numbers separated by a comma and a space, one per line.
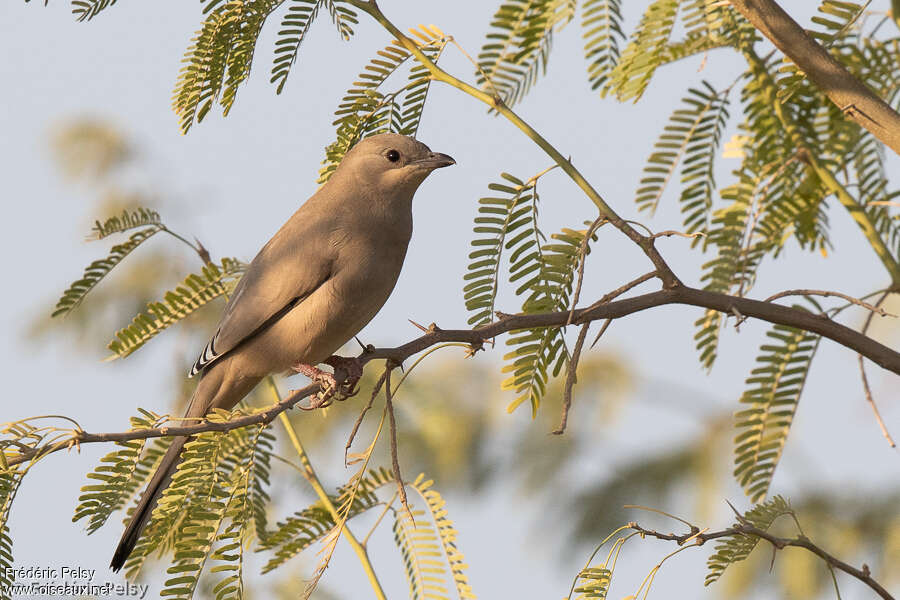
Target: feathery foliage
(129, 219)
(215, 502)
(219, 58)
(446, 535)
(85, 10)
(592, 583)
(420, 550)
(99, 269)
(194, 292)
(835, 20)
(736, 548)
(537, 353)
(10, 480)
(507, 222)
(641, 57)
(116, 474)
(244, 510)
(691, 137)
(543, 273)
(774, 389)
(518, 46)
(871, 176)
(306, 527)
(602, 22)
(366, 110)
(295, 27)
(200, 521)
(427, 545)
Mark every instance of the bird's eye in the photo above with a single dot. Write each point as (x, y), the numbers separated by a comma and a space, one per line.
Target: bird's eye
(393, 155)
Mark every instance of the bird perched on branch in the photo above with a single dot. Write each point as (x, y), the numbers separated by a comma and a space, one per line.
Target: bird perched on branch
(321, 278)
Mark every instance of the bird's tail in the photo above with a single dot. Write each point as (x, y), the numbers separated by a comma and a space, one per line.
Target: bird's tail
(209, 385)
(148, 502)
(216, 389)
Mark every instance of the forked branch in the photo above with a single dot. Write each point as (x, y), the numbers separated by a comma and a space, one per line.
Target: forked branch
(600, 310)
(698, 538)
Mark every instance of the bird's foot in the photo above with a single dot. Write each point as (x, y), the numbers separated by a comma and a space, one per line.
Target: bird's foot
(348, 371)
(326, 381)
(341, 384)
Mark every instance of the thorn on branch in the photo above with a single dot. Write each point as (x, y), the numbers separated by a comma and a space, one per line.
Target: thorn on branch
(473, 349)
(420, 327)
(600, 333)
(202, 252)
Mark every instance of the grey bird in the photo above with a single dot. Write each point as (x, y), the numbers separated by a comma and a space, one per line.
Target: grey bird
(320, 279)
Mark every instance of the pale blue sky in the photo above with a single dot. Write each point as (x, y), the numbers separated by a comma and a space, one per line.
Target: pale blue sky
(239, 178)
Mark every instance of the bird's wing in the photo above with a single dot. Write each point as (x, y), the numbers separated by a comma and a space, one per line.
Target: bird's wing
(289, 268)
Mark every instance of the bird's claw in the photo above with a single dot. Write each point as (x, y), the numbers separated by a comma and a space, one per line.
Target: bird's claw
(327, 383)
(349, 371)
(341, 384)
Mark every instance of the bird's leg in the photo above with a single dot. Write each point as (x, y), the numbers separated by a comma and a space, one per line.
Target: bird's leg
(323, 378)
(348, 370)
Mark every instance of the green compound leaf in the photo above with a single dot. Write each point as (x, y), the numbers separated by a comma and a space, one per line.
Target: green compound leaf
(197, 290)
(518, 45)
(770, 402)
(99, 269)
(736, 548)
(116, 474)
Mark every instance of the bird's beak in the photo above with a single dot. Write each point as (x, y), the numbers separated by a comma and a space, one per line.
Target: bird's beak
(434, 160)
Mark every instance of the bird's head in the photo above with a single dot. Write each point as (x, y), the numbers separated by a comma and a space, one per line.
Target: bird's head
(393, 163)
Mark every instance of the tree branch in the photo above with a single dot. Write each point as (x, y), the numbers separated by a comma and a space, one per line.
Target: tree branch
(854, 99)
(773, 313)
(699, 538)
(602, 309)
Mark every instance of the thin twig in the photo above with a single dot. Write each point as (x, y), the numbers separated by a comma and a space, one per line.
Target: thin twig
(571, 378)
(201, 251)
(312, 478)
(395, 461)
(582, 261)
(871, 400)
(863, 574)
(477, 66)
(387, 507)
(362, 414)
(671, 232)
(856, 301)
(865, 380)
(692, 527)
(607, 298)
